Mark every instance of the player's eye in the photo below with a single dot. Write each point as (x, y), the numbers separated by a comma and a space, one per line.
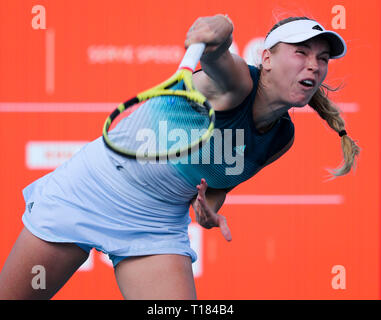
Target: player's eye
(300, 52)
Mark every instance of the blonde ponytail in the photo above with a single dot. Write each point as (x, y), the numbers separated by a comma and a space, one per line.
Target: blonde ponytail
(330, 113)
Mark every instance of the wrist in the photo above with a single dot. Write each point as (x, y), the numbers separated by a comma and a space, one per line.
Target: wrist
(218, 51)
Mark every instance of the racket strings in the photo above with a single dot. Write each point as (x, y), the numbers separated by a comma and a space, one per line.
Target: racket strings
(160, 125)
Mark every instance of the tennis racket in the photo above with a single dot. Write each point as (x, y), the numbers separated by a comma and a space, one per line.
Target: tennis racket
(168, 120)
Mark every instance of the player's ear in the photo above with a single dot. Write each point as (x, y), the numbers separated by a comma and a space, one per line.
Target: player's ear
(266, 59)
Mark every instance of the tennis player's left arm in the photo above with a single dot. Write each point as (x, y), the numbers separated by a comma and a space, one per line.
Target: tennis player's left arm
(206, 205)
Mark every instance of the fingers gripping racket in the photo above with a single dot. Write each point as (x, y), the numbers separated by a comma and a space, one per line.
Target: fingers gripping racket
(168, 120)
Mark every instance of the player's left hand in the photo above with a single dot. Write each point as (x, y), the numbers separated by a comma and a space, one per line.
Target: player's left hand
(206, 216)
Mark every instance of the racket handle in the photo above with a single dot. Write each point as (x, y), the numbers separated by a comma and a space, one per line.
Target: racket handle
(192, 56)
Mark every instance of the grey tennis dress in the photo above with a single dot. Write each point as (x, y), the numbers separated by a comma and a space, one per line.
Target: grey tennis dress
(126, 208)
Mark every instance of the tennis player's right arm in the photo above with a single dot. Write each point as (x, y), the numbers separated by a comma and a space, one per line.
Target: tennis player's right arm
(225, 78)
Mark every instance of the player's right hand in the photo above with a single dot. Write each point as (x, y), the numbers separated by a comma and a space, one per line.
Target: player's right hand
(213, 31)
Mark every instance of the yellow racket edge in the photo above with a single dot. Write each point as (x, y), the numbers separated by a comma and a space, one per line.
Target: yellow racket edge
(161, 90)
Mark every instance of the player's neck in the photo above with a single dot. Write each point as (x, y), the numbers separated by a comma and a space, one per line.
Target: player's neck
(267, 109)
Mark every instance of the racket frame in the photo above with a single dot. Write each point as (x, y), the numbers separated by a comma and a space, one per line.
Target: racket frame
(184, 73)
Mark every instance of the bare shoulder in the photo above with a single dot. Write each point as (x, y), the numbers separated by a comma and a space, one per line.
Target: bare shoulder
(225, 82)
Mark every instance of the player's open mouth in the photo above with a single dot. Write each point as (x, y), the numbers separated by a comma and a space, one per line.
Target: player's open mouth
(307, 83)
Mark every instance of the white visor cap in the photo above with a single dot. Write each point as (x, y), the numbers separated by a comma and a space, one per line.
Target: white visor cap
(303, 30)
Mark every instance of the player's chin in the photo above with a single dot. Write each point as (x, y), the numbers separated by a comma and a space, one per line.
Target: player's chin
(300, 104)
(301, 101)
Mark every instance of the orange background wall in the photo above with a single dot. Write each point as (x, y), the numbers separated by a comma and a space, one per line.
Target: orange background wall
(58, 84)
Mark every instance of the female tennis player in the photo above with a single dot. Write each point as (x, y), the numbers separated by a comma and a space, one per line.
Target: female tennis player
(139, 214)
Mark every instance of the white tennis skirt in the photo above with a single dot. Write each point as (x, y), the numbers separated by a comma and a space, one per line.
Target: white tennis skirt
(121, 207)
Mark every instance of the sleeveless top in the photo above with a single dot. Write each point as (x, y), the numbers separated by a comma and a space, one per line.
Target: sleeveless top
(236, 151)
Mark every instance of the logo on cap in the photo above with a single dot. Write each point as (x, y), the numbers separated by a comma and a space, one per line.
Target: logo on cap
(317, 27)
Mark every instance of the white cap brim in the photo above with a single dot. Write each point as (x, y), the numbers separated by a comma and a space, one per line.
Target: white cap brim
(303, 30)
